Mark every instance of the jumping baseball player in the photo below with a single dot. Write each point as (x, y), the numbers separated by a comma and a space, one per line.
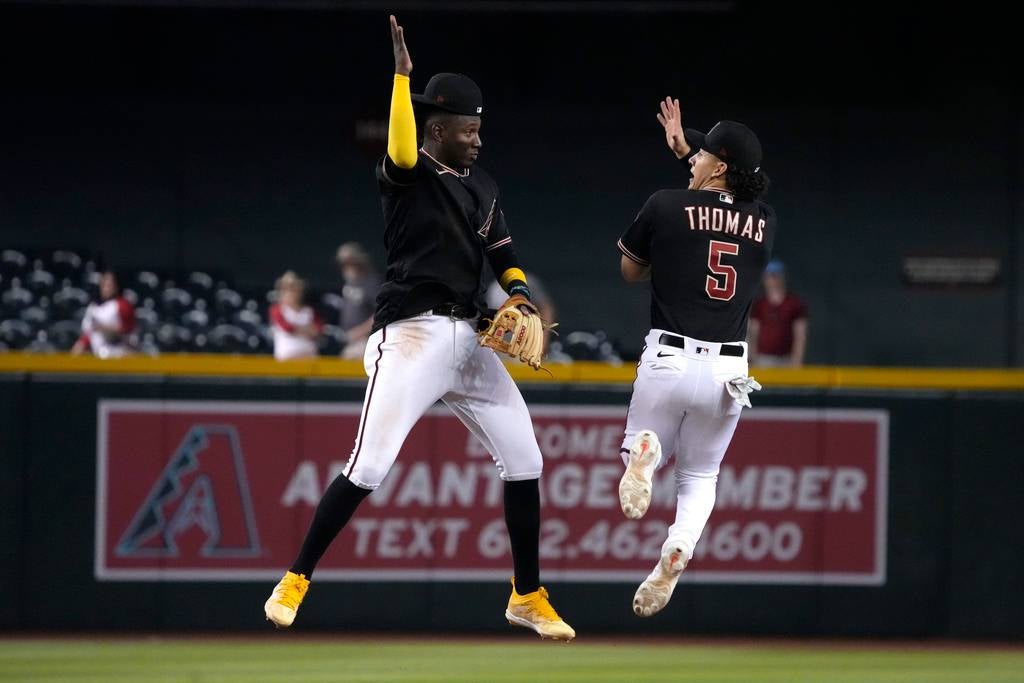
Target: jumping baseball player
(704, 250)
(442, 216)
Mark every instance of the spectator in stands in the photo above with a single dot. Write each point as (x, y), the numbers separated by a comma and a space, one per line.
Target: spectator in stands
(778, 323)
(496, 295)
(108, 324)
(295, 326)
(359, 296)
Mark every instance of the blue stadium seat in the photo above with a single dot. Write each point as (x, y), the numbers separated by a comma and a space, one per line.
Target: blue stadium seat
(146, 319)
(146, 283)
(41, 344)
(14, 299)
(170, 337)
(227, 302)
(64, 333)
(332, 341)
(67, 300)
(16, 334)
(64, 263)
(174, 301)
(40, 281)
(36, 316)
(13, 263)
(228, 339)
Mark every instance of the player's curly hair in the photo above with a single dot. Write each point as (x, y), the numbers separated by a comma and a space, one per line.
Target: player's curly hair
(747, 185)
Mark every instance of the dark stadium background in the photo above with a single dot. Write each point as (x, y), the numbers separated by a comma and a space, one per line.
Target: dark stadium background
(239, 138)
(223, 136)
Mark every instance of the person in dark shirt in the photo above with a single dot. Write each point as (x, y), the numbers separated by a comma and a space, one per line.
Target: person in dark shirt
(358, 296)
(703, 249)
(442, 219)
(778, 323)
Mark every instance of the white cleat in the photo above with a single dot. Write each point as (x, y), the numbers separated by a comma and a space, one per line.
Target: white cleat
(636, 483)
(656, 590)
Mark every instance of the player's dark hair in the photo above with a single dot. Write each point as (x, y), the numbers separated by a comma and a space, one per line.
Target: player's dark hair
(746, 185)
(426, 116)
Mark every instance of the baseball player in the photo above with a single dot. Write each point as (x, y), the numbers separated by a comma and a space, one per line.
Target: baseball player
(443, 217)
(704, 250)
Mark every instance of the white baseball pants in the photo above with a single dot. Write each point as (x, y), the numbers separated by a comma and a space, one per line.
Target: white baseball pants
(680, 395)
(415, 362)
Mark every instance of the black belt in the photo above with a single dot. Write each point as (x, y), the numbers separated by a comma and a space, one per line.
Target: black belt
(454, 311)
(680, 343)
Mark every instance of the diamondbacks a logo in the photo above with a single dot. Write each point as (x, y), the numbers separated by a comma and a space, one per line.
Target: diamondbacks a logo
(485, 229)
(201, 497)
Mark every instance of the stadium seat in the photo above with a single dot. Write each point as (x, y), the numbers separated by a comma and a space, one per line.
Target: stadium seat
(332, 341)
(36, 316)
(170, 337)
(556, 354)
(65, 264)
(90, 282)
(249, 320)
(148, 346)
(228, 339)
(64, 333)
(14, 299)
(40, 281)
(41, 344)
(199, 284)
(592, 346)
(197, 319)
(146, 319)
(67, 300)
(175, 301)
(13, 263)
(16, 334)
(227, 302)
(146, 283)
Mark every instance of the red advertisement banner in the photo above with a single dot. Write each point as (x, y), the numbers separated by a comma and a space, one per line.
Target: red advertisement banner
(224, 491)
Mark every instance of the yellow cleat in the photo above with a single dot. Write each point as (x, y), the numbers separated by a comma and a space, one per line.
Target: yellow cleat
(285, 600)
(533, 611)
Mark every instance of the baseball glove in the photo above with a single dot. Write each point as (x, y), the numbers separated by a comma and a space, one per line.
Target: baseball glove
(518, 330)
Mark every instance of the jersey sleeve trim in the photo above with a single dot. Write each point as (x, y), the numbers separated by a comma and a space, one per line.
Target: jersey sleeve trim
(500, 243)
(631, 256)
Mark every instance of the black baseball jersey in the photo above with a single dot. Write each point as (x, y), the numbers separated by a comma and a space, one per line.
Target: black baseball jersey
(707, 251)
(438, 225)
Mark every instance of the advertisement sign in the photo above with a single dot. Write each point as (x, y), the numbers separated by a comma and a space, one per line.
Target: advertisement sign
(224, 491)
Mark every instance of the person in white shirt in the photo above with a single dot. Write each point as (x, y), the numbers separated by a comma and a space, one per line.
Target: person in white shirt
(108, 324)
(295, 326)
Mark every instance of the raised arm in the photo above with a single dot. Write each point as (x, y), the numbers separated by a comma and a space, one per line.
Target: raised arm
(402, 123)
(671, 119)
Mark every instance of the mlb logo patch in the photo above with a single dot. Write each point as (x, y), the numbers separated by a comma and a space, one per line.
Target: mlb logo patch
(726, 198)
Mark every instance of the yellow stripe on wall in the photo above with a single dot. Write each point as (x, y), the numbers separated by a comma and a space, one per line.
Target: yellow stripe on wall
(223, 365)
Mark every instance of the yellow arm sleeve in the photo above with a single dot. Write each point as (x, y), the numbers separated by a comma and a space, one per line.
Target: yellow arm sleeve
(511, 274)
(402, 125)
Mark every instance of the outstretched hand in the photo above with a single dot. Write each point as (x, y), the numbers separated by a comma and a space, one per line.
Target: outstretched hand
(672, 120)
(403, 62)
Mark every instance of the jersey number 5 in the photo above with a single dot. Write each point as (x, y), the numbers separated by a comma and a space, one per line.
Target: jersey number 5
(722, 287)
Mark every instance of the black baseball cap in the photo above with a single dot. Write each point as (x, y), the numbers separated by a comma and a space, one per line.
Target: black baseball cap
(452, 92)
(733, 143)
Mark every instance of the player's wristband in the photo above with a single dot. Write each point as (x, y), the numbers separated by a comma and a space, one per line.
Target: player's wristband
(519, 287)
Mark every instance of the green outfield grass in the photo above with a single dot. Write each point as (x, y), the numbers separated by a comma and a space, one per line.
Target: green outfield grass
(293, 658)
